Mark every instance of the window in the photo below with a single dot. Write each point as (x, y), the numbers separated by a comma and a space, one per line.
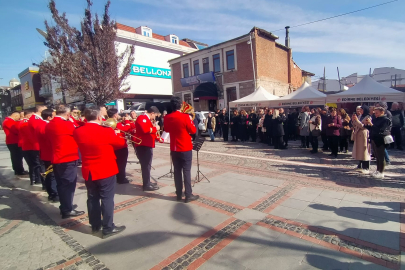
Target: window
(206, 65)
(230, 60)
(147, 32)
(185, 71)
(217, 63)
(187, 98)
(174, 40)
(231, 94)
(196, 65)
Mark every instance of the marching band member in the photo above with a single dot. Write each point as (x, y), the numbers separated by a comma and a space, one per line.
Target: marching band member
(59, 132)
(180, 126)
(121, 153)
(45, 153)
(145, 131)
(133, 115)
(10, 127)
(97, 144)
(75, 117)
(33, 150)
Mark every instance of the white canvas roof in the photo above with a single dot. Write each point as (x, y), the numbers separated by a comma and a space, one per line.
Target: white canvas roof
(367, 90)
(305, 95)
(259, 98)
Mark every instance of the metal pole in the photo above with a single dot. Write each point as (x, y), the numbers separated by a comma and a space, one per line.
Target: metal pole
(323, 87)
(253, 61)
(340, 85)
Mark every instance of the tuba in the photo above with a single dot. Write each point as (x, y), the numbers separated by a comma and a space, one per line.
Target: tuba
(112, 123)
(188, 109)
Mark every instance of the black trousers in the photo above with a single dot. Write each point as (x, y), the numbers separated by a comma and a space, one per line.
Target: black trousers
(101, 190)
(34, 165)
(66, 178)
(334, 144)
(225, 131)
(218, 130)
(344, 142)
(379, 153)
(182, 169)
(396, 133)
(145, 155)
(50, 181)
(122, 159)
(252, 133)
(365, 165)
(315, 143)
(269, 136)
(305, 141)
(16, 156)
(324, 141)
(278, 142)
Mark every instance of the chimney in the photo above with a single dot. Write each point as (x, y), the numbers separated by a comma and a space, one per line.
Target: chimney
(287, 36)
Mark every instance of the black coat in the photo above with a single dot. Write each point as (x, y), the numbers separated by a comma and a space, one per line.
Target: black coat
(278, 125)
(234, 125)
(267, 123)
(253, 121)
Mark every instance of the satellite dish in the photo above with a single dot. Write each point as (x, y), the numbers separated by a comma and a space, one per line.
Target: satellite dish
(43, 33)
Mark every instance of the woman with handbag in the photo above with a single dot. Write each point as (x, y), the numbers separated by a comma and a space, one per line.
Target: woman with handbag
(380, 138)
(344, 131)
(315, 127)
(360, 136)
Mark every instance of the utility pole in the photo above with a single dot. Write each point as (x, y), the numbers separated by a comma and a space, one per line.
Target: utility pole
(340, 85)
(324, 77)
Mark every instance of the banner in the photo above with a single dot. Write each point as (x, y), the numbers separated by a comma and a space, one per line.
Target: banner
(146, 71)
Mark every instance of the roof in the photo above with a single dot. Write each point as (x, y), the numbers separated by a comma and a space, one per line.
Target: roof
(14, 80)
(261, 97)
(193, 41)
(307, 73)
(154, 35)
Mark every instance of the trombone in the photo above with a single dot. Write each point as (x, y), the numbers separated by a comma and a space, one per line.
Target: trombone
(48, 170)
(112, 123)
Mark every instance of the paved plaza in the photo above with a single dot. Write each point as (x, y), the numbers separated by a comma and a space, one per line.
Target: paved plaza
(261, 209)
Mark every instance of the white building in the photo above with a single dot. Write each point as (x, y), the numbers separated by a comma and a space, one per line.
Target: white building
(387, 76)
(14, 82)
(150, 77)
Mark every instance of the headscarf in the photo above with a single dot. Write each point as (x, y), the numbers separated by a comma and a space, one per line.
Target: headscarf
(366, 112)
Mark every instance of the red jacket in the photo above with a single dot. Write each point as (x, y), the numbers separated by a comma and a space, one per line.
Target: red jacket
(145, 131)
(45, 147)
(179, 126)
(97, 144)
(60, 134)
(27, 138)
(124, 127)
(20, 137)
(76, 123)
(33, 123)
(10, 127)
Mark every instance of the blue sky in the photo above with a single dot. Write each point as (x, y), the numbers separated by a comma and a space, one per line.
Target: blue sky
(354, 43)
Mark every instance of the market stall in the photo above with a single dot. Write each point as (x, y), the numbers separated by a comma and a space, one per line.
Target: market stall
(367, 90)
(306, 95)
(259, 98)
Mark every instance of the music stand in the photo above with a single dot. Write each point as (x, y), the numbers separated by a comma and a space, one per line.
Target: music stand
(171, 172)
(197, 144)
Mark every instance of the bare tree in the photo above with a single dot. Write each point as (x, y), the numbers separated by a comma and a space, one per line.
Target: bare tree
(87, 62)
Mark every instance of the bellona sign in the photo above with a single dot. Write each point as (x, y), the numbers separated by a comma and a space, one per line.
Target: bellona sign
(146, 71)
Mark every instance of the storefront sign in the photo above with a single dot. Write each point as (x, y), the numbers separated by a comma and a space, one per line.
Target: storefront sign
(361, 99)
(296, 103)
(202, 78)
(146, 71)
(248, 104)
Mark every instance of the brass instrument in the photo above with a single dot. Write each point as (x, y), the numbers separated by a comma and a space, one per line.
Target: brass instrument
(112, 123)
(160, 139)
(188, 109)
(48, 170)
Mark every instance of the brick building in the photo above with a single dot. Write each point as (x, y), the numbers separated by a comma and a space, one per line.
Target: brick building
(211, 77)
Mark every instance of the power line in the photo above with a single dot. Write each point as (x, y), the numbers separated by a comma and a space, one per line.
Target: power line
(340, 15)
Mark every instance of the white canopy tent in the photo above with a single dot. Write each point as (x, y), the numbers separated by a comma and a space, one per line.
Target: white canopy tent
(367, 90)
(306, 95)
(259, 98)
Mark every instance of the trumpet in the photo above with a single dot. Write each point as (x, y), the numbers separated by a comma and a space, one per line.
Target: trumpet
(112, 123)
(48, 170)
(160, 139)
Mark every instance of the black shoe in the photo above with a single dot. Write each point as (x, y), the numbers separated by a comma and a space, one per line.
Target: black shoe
(331, 155)
(95, 229)
(313, 152)
(387, 163)
(55, 199)
(72, 213)
(22, 173)
(37, 182)
(178, 198)
(114, 231)
(126, 181)
(400, 148)
(150, 188)
(191, 198)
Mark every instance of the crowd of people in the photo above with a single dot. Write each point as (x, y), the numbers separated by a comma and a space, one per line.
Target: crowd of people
(55, 142)
(371, 130)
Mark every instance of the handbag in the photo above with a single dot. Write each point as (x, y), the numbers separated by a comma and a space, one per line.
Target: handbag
(316, 132)
(388, 139)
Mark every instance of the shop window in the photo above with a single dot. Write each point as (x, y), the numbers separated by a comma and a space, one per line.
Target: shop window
(187, 98)
(206, 65)
(217, 62)
(196, 65)
(186, 74)
(230, 60)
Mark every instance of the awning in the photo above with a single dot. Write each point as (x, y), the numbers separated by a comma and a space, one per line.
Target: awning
(206, 91)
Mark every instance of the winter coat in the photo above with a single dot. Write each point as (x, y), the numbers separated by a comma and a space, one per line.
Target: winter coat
(267, 123)
(381, 128)
(278, 122)
(234, 125)
(213, 122)
(316, 123)
(304, 123)
(361, 147)
(333, 130)
(397, 119)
